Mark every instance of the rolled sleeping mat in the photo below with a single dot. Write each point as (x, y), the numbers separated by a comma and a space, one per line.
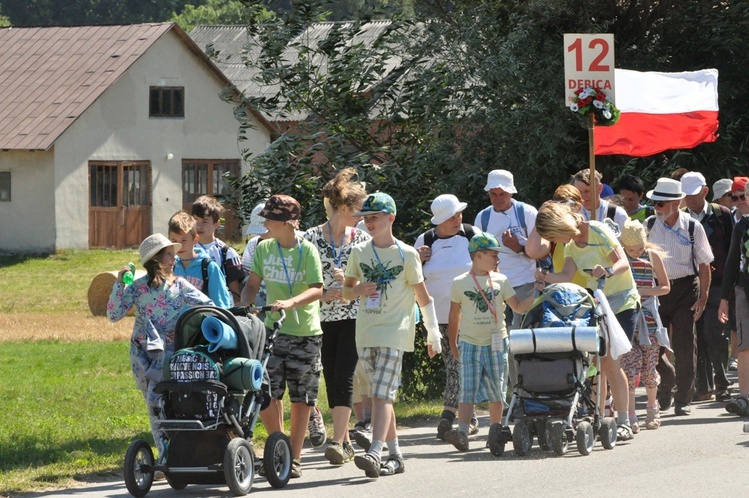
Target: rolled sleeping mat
(554, 340)
(218, 334)
(243, 373)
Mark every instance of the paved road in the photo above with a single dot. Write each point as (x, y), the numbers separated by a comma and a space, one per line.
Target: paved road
(705, 454)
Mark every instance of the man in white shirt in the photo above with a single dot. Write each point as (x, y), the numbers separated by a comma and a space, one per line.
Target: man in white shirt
(510, 221)
(688, 268)
(592, 199)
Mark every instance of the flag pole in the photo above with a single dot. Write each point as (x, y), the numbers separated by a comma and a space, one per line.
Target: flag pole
(592, 160)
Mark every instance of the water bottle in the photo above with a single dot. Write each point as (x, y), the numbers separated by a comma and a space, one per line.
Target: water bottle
(129, 276)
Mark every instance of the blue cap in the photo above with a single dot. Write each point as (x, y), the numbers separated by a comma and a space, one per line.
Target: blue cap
(483, 241)
(379, 202)
(607, 191)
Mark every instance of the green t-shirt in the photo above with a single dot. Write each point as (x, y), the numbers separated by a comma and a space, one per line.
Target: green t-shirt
(476, 320)
(301, 272)
(601, 243)
(389, 321)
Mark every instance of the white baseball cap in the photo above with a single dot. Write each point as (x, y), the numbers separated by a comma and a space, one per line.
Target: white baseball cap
(692, 183)
(500, 178)
(444, 207)
(721, 188)
(256, 226)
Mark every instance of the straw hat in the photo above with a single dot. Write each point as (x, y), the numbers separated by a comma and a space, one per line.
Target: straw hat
(151, 246)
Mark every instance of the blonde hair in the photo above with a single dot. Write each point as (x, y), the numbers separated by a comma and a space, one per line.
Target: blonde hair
(557, 220)
(345, 189)
(583, 176)
(634, 234)
(183, 223)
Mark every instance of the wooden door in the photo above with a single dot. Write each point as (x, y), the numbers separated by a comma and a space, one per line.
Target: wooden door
(119, 203)
(210, 177)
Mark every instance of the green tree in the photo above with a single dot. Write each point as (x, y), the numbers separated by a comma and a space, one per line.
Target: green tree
(85, 12)
(217, 12)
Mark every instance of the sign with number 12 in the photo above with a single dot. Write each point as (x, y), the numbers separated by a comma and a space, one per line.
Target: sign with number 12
(588, 62)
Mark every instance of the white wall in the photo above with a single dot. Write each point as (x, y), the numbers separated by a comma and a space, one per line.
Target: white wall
(27, 222)
(117, 127)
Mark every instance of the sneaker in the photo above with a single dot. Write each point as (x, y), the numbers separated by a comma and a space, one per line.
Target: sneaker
(457, 438)
(733, 365)
(363, 439)
(723, 395)
(296, 469)
(393, 465)
(653, 418)
(624, 432)
(473, 427)
(369, 463)
(444, 426)
(335, 453)
(316, 427)
(635, 425)
(665, 400)
(682, 409)
(739, 406)
(348, 451)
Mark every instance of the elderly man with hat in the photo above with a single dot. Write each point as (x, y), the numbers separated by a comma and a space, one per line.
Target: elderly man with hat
(443, 251)
(712, 339)
(688, 267)
(738, 197)
(510, 221)
(722, 193)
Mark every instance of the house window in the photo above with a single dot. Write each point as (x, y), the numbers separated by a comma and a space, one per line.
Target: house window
(166, 102)
(207, 177)
(4, 186)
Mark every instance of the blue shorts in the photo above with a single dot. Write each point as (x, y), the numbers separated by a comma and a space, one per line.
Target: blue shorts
(483, 373)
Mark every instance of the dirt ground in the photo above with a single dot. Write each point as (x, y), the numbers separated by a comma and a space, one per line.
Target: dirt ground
(66, 327)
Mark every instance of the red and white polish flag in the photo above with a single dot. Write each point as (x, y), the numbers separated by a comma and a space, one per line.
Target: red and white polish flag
(661, 111)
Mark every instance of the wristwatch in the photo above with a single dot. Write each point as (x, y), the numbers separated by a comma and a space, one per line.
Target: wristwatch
(609, 271)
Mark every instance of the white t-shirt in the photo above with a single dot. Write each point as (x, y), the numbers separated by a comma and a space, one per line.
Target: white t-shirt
(450, 258)
(517, 267)
(620, 215)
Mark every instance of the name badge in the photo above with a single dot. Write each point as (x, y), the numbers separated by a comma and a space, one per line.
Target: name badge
(497, 341)
(373, 301)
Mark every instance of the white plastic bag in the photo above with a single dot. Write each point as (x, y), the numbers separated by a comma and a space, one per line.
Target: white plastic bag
(616, 338)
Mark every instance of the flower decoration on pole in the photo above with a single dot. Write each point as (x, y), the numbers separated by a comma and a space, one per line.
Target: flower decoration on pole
(593, 102)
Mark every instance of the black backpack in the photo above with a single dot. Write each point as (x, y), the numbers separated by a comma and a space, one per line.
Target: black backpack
(204, 266)
(466, 230)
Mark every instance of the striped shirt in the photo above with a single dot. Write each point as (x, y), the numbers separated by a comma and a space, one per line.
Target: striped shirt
(682, 257)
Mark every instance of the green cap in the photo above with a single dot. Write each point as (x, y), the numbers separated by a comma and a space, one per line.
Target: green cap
(379, 202)
(483, 241)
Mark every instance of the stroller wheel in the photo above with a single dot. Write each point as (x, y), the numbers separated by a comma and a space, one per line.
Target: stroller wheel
(496, 440)
(176, 483)
(521, 438)
(585, 438)
(239, 467)
(607, 433)
(542, 434)
(558, 436)
(139, 468)
(277, 459)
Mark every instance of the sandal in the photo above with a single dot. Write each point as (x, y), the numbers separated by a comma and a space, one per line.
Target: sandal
(739, 406)
(393, 465)
(624, 433)
(653, 419)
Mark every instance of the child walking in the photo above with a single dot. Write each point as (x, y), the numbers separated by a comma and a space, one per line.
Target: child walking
(190, 265)
(290, 267)
(646, 261)
(386, 275)
(478, 336)
(159, 299)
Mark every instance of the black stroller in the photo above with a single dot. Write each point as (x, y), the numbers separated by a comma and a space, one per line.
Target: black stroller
(553, 396)
(209, 412)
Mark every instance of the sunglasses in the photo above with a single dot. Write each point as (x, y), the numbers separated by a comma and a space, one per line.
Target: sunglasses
(660, 204)
(735, 198)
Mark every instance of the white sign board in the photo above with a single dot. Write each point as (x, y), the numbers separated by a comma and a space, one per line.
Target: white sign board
(588, 62)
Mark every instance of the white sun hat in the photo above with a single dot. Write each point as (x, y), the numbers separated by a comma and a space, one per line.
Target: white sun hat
(256, 226)
(500, 178)
(151, 246)
(444, 207)
(666, 189)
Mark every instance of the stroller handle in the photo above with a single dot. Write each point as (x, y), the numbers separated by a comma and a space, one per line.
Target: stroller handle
(248, 310)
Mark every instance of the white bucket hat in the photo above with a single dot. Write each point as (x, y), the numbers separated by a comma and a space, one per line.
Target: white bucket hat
(444, 207)
(256, 221)
(721, 188)
(692, 183)
(500, 178)
(666, 189)
(152, 244)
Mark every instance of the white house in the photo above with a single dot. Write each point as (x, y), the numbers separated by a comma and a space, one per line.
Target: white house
(106, 131)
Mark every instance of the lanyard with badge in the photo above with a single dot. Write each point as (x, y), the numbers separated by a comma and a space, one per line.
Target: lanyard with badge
(337, 256)
(373, 301)
(289, 281)
(497, 339)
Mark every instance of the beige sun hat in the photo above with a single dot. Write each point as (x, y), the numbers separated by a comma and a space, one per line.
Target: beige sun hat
(151, 246)
(633, 233)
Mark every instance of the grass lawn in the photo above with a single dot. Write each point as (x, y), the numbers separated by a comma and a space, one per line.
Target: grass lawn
(69, 401)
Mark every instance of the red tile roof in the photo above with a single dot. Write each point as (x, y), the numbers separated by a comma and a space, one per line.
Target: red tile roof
(49, 76)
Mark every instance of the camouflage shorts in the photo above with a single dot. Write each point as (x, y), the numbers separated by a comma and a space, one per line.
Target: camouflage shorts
(296, 361)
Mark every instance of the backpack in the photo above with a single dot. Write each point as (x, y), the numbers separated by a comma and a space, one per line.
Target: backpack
(650, 222)
(520, 210)
(204, 267)
(466, 230)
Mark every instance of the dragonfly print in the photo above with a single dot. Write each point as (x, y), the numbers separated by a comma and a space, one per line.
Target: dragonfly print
(380, 274)
(478, 300)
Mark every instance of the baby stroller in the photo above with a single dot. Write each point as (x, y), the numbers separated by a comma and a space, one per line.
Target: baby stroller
(210, 402)
(553, 395)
